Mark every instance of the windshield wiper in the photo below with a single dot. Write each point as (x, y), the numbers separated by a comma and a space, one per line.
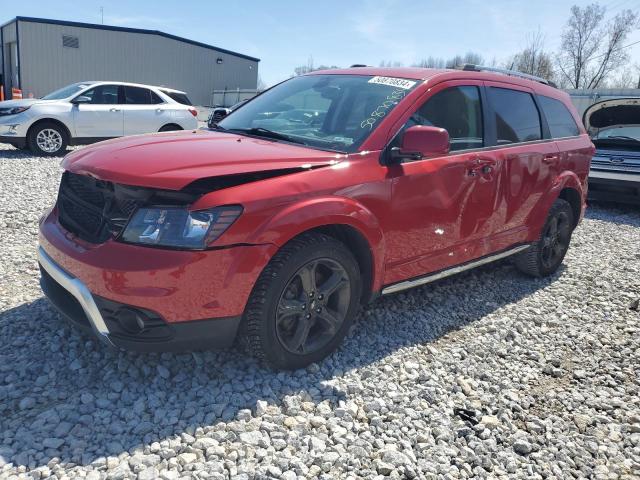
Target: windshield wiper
(620, 137)
(265, 132)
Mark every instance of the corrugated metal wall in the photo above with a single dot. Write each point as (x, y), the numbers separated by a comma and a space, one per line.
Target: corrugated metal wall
(583, 98)
(126, 56)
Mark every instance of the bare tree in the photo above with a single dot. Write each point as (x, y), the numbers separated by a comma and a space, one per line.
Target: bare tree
(591, 49)
(533, 59)
(309, 67)
(453, 62)
(629, 77)
(390, 63)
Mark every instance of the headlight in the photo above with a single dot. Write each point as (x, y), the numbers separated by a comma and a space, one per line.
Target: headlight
(13, 110)
(178, 227)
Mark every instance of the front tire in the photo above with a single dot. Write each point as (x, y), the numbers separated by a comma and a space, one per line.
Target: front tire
(545, 256)
(47, 139)
(303, 303)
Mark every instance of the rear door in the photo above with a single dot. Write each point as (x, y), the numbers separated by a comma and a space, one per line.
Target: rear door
(101, 117)
(528, 158)
(144, 111)
(442, 205)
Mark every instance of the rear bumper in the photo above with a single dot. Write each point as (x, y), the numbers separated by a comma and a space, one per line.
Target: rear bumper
(614, 186)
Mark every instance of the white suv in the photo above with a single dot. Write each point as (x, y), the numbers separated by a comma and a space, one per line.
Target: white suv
(88, 112)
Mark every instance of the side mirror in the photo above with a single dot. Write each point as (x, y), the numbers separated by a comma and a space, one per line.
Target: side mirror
(81, 99)
(421, 141)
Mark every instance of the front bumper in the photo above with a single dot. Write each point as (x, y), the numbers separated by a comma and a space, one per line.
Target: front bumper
(180, 299)
(614, 186)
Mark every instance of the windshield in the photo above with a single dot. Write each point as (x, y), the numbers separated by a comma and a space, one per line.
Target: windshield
(332, 112)
(627, 132)
(66, 92)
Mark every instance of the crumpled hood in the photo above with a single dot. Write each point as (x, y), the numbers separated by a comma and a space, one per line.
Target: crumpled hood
(612, 113)
(174, 160)
(26, 102)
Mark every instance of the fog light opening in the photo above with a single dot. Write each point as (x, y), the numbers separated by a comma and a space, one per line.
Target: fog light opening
(131, 321)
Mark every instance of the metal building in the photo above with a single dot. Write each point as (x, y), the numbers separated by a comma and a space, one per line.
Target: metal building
(40, 55)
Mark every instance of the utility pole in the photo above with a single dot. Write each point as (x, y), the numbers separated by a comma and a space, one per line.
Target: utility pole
(102, 15)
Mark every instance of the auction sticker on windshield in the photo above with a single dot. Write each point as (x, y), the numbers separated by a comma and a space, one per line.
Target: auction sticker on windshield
(393, 82)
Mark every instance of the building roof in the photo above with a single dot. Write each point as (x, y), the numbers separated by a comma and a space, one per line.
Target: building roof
(129, 30)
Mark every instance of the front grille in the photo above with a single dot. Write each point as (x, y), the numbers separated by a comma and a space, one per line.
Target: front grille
(96, 210)
(89, 208)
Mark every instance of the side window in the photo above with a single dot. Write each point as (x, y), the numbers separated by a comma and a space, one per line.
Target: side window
(103, 95)
(459, 111)
(138, 96)
(560, 120)
(517, 117)
(155, 98)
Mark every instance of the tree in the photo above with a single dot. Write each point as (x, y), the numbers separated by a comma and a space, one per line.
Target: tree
(309, 67)
(453, 62)
(533, 59)
(591, 49)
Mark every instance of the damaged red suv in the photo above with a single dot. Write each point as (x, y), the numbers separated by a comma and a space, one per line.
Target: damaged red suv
(312, 199)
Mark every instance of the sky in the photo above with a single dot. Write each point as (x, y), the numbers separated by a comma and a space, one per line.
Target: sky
(287, 33)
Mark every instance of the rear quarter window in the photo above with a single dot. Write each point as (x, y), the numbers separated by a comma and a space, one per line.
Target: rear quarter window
(178, 97)
(516, 115)
(559, 118)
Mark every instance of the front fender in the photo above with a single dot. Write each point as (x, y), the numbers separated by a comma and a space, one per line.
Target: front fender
(313, 213)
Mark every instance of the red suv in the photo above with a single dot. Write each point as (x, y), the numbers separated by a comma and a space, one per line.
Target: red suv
(312, 199)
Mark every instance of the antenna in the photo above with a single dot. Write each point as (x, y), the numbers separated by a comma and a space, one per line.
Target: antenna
(102, 15)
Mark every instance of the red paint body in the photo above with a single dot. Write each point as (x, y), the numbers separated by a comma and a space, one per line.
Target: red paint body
(417, 217)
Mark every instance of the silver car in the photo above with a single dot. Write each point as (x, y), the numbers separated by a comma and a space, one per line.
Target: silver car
(88, 112)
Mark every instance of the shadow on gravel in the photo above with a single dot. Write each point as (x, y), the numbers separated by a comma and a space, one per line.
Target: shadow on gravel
(64, 395)
(618, 213)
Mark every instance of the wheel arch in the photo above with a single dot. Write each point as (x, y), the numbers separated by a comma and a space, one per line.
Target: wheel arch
(343, 219)
(58, 122)
(177, 127)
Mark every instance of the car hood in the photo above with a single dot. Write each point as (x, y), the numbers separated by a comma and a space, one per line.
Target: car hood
(612, 113)
(26, 102)
(174, 160)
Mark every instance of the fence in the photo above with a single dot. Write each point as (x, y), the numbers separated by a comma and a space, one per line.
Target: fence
(227, 98)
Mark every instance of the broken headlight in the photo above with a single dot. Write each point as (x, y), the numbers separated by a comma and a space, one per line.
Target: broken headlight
(178, 227)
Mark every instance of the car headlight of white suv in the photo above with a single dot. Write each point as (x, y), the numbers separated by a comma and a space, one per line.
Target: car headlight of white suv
(13, 110)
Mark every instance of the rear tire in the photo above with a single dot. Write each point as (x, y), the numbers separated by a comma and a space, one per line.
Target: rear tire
(545, 256)
(303, 303)
(47, 139)
(172, 127)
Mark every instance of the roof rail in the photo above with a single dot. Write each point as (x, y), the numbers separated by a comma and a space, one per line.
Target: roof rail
(470, 67)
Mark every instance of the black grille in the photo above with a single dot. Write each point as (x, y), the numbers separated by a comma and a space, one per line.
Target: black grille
(89, 208)
(96, 210)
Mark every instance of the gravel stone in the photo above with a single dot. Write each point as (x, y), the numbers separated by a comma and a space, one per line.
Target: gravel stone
(550, 366)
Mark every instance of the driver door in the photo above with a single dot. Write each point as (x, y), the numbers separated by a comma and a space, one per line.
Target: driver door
(444, 207)
(100, 116)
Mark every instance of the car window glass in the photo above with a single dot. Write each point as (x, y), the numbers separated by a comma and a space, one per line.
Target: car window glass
(458, 110)
(178, 97)
(516, 114)
(560, 120)
(155, 98)
(102, 95)
(137, 96)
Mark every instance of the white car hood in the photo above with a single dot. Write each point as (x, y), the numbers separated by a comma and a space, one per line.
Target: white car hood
(618, 112)
(27, 102)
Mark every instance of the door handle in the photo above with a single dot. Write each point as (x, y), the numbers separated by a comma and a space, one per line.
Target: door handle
(114, 109)
(550, 159)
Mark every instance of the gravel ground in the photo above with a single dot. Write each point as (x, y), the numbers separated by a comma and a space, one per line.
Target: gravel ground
(546, 372)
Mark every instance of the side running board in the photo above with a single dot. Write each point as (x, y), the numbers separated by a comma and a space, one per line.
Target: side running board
(396, 287)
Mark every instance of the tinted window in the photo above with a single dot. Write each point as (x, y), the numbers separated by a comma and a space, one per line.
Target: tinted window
(140, 96)
(560, 120)
(517, 117)
(458, 111)
(178, 97)
(103, 95)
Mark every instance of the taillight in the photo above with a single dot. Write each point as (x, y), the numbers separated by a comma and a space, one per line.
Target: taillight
(194, 112)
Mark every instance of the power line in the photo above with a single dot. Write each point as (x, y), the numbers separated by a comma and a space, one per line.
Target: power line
(617, 49)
